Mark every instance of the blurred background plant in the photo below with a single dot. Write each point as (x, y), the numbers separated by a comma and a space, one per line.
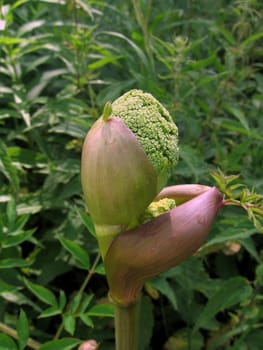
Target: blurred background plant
(60, 61)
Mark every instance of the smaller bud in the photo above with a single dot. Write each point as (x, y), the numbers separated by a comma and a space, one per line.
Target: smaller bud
(144, 252)
(89, 345)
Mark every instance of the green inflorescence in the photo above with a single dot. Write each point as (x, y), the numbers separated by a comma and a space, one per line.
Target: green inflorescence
(157, 208)
(154, 127)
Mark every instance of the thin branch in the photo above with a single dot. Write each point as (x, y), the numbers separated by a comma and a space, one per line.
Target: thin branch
(80, 291)
(31, 343)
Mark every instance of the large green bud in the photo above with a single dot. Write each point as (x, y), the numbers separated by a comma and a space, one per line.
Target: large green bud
(126, 158)
(118, 179)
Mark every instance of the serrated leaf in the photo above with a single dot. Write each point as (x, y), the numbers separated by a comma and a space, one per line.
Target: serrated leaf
(239, 114)
(69, 323)
(85, 303)
(75, 303)
(42, 293)
(22, 330)
(62, 299)
(101, 310)
(232, 292)
(78, 253)
(86, 320)
(51, 311)
(7, 343)
(60, 344)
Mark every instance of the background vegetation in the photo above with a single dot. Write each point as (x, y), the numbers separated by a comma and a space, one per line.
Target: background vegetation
(60, 61)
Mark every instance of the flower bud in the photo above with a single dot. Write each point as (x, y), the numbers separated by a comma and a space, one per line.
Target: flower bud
(89, 345)
(118, 179)
(141, 253)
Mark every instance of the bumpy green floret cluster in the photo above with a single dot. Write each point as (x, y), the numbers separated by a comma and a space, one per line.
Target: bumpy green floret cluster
(157, 208)
(153, 126)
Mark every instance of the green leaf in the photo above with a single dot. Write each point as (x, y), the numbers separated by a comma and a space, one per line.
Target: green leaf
(69, 323)
(101, 310)
(11, 213)
(164, 287)
(10, 41)
(239, 114)
(86, 220)
(100, 269)
(19, 299)
(137, 49)
(42, 293)
(85, 303)
(22, 330)
(27, 157)
(78, 253)
(75, 302)
(7, 343)
(70, 128)
(231, 233)
(8, 167)
(6, 287)
(17, 238)
(11, 263)
(51, 311)
(103, 61)
(232, 292)
(252, 38)
(60, 344)
(86, 320)
(62, 299)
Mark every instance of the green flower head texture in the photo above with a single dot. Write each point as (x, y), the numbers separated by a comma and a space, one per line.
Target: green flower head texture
(154, 128)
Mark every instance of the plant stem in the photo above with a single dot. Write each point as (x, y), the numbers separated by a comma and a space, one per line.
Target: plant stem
(31, 343)
(127, 326)
(80, 291)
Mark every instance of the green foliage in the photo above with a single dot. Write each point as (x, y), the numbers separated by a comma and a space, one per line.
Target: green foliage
(60, 62)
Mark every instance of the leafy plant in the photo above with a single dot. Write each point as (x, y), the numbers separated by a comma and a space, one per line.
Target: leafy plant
(60, 61)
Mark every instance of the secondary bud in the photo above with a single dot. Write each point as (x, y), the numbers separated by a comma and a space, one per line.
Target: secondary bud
(89, 345)
(141, 253)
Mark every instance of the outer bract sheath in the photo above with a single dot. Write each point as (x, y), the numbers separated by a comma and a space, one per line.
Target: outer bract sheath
(118, 179)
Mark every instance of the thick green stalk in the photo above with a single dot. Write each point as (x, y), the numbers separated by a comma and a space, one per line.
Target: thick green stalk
(127, 318)
(127, 326)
